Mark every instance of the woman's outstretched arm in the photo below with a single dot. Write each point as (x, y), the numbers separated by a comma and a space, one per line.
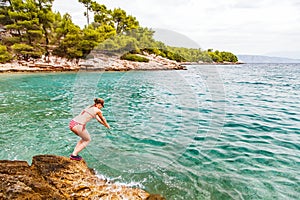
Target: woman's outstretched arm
(101, 119)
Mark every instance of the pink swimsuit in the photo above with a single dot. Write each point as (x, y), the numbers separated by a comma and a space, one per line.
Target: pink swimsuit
(73, 123)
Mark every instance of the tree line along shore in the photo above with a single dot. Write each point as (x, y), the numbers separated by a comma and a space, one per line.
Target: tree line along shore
(34, 37)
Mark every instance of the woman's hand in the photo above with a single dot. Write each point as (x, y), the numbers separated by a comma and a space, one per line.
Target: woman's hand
(102, 120)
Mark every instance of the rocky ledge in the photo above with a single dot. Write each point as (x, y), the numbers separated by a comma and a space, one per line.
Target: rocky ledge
(40, 65)
(112, 62)
(57, 177)
(98, 62)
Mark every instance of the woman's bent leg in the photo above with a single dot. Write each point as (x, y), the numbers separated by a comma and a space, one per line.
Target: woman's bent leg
(85, 139)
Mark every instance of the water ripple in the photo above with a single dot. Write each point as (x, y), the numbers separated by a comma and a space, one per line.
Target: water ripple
(181, 134)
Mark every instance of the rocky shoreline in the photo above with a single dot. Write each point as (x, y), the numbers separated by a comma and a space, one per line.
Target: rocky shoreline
(57, 177)
(98, 62)
(212, 63)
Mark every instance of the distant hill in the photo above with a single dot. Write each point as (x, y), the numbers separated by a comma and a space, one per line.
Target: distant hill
(174, 39)
(284, 54)
(265, 59)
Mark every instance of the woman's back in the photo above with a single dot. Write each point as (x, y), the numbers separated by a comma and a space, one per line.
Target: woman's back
(87, 114)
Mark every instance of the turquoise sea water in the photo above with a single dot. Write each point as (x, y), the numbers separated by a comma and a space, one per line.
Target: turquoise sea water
(210, 132)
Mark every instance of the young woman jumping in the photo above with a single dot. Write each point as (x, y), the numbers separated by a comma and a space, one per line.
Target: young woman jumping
(77, 125)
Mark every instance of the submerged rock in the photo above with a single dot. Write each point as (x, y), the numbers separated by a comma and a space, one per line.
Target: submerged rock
(57, 177)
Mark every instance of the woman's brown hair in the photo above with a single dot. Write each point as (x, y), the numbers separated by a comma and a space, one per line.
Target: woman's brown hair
(99, 100)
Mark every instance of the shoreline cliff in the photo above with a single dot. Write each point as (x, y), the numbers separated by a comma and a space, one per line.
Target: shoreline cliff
(58, 177)
(98, 62)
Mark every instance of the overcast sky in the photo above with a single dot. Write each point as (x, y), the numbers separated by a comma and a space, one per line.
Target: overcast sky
(257, 27)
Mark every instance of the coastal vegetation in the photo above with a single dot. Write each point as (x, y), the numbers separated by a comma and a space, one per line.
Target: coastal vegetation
(30, 29)
(134, 57)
